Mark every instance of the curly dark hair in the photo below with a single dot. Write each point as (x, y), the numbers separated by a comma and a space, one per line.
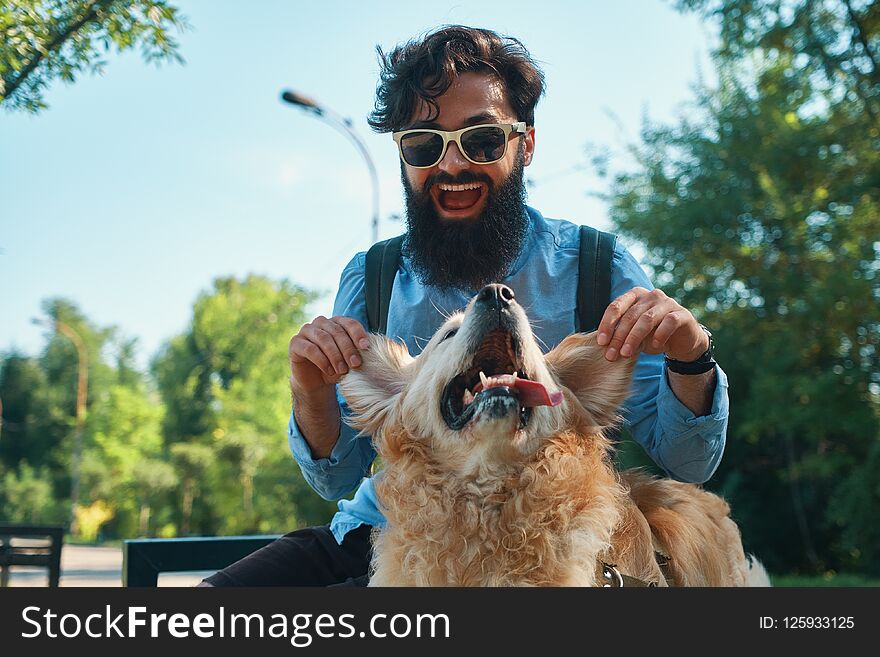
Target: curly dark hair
(425, 68)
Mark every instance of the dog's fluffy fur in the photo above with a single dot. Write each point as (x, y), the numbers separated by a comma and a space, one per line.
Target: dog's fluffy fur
(509, 500)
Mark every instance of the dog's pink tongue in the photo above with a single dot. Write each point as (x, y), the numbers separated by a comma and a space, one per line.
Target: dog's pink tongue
(531, 393)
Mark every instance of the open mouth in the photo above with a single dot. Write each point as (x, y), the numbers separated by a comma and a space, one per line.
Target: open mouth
(495, 376)
(456, 199)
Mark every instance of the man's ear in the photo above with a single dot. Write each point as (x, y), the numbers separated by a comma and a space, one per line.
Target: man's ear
(372, 389)
(529, 146)
(599, 385)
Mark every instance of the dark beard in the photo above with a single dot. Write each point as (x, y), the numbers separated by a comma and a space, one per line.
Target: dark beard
(472, 253)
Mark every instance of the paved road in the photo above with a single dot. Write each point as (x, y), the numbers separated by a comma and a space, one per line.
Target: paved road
(83, 565)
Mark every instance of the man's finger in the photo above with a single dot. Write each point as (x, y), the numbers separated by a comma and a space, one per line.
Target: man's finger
(649, 313)
(302, 350)
(356, 331)
(641, 329)
(327, 344)
(615, 310)
(343, 341)
(623, 329)
(670, 324)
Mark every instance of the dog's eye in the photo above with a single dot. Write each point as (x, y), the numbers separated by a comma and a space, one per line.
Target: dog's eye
(449, 335)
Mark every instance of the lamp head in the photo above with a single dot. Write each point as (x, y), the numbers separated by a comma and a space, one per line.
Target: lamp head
(295, 98)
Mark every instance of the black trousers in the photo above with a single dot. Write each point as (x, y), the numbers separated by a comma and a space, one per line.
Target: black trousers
(306, 557)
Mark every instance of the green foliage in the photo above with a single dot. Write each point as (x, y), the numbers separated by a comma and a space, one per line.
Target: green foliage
(833, 43)
(761, 214)
(199, 448)
(225, 385)
(26, 496)
(828, 580)
(854, 509)
(44, 40)
(124, 458)
(25, 407)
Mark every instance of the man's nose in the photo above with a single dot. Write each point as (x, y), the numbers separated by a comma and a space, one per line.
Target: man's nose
(495, 296)
(453, 161)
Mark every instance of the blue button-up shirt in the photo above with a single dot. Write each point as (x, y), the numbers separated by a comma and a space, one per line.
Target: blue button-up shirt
(544, 278)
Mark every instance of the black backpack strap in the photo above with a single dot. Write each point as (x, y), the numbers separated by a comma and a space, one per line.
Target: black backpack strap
(594, 277)
(379, 271)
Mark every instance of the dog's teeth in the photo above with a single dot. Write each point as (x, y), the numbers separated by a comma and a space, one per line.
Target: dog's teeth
(468, 397)
(484, 379)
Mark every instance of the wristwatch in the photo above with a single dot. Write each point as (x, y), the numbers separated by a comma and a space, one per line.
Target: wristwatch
(699, 366)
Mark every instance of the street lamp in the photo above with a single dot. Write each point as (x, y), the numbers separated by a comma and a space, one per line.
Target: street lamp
(343, 125)
(82, 380)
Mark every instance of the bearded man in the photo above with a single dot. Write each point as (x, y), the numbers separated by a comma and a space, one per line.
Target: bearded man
(460, 103)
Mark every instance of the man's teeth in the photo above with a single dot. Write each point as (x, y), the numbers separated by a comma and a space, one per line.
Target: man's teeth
(458, 188)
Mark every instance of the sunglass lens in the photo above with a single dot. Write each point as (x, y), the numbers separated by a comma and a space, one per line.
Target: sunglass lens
(421, 149)
(484, 144)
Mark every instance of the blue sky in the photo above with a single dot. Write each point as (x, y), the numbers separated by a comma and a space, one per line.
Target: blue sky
(137, 188)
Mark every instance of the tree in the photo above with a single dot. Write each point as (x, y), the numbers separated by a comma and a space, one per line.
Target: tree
(125, 458)
(26, 496)
(192, 461)
(22, 389)
(48, 39)
(225, 385)
(832, 43)
(76, 375)
(761, 214)
(202, 449)
(121, 433)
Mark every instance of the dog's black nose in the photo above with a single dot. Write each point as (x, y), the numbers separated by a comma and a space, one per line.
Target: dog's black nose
(495, 296)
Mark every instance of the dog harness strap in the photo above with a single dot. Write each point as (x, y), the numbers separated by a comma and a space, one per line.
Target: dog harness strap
(594, 278)
(611, 578)
(379, 271)
(630, 582)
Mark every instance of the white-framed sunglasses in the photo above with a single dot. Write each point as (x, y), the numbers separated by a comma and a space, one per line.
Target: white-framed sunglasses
(422, 148)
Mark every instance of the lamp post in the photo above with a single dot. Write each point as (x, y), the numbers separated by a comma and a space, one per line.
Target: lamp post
(82, 380)
(343, 125)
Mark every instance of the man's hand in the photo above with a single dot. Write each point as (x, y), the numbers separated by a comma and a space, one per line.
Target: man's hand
(652, 322)
(323, 350)
(649, 320)
(320, 354)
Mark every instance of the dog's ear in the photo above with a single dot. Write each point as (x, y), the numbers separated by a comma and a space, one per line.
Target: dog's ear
(372, 389)
(579, 364)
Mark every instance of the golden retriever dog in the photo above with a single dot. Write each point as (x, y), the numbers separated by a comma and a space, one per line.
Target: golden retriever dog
(498, 471)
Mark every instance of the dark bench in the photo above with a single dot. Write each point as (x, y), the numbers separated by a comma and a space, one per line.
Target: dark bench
(144, 558)
(31, 553)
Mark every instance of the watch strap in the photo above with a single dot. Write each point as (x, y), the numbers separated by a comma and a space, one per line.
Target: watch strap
(698, 366)
(701, 365)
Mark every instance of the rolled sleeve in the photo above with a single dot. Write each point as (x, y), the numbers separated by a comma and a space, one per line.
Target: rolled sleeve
(338, 474)
(690, 447)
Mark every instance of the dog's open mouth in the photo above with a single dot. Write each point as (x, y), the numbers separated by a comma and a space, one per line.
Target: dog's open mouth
(496, 375)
